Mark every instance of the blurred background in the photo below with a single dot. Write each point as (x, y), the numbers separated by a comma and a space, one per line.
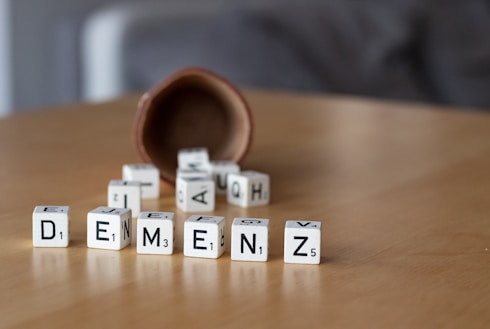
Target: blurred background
(63, 51)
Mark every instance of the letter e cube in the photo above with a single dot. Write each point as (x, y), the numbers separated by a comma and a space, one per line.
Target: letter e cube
(51, 226)
(302, 242)
(204, 236)
(109, 228)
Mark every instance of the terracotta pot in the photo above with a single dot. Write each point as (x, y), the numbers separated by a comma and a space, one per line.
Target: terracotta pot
(193, 107)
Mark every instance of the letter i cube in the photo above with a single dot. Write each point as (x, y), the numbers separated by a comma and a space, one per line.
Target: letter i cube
(109, 228)
(250, 239)
(149, 177)
(124, 194)
(248, 188)
(155, 233)
(204, 236)
(51, 226)
(219, 171)
(195, 194)
(193, 158)
(302, 242)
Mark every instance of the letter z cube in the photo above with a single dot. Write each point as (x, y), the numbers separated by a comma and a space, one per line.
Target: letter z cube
(302, 242)
(51, 226)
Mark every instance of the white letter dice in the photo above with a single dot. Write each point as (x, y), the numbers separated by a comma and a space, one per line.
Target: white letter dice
(51, 226)
(124, 194)
(219, 171)
(250, 239)
(193, 158)
(195, 194)
(149, 177)
(155, 233)
(302, 242)
(248, 188)
(204, 236)
(109, 228)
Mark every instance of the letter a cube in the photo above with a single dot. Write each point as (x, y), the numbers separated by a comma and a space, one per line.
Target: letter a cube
(204, 236)
(109, 228)
(149, 177)
(51, 226)
(219, 171)
(195, 194)
(302, 242)
(250, 239)
(124, 194)
(155, 233)
(248, 188)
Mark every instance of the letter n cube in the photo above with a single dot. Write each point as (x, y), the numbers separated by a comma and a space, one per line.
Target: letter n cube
(155, 233)
(51, 226)
(248, 188)
(109, 228)
(250, 239)
(302, 242)
(204, 236)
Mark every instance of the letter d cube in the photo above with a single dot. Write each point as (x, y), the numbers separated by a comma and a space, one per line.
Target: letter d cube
(109, 228)
(51, 226)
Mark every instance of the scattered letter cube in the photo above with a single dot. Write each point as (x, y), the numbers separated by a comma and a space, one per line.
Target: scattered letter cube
(193, 158)
(124, 194)
(302, 242)
(192, 173)
(248, 188)
(149, 177)
(204, 236)
(155, 233)
(195, 194)
(109, 228)
(250, 239)
(51, 226)
(219, 171)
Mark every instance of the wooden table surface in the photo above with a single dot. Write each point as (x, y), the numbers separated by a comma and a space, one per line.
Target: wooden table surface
(402, 190)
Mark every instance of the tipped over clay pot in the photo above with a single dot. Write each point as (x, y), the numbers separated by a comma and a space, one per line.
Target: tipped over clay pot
(192, 108)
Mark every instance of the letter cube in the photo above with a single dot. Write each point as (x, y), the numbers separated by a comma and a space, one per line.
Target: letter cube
(192, 173)
(204, 236)
(155, 233)
(248, 188)
(51, 226)
(195, 194)
(219, 171)
(193, 158)
(250, 239)
(109, 228)
(124, 194)
(302, 242)
(149, 177)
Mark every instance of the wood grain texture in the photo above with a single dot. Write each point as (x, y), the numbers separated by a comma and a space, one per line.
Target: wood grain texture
(402, 190)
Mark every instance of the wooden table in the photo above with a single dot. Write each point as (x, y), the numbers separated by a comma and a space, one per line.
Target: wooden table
(402, 190)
